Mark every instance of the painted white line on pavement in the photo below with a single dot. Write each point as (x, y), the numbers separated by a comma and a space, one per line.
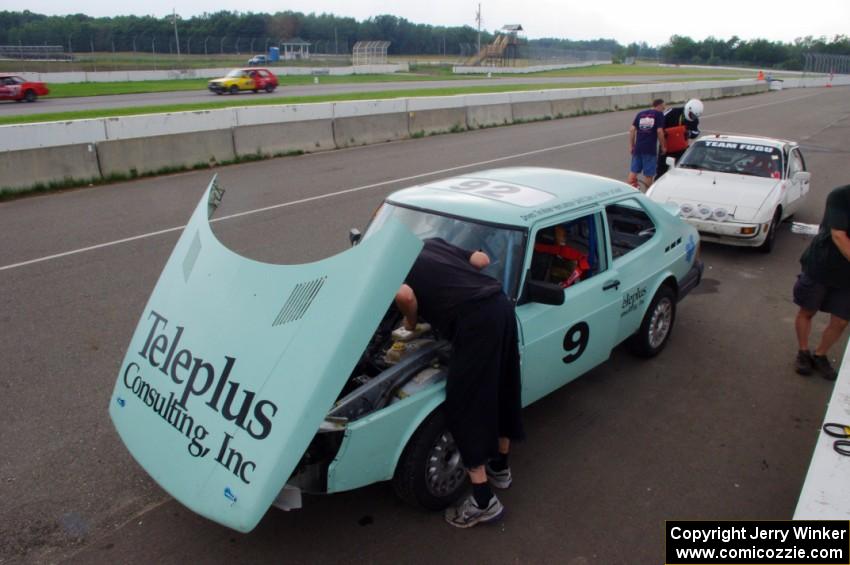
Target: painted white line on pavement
(367, 187)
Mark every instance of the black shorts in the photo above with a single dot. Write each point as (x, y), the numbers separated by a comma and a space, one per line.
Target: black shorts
(812, 295)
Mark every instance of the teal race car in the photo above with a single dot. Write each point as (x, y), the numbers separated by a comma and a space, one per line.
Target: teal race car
(247, 383)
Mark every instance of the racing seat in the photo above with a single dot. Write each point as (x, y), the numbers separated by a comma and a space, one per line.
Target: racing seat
(557, 261)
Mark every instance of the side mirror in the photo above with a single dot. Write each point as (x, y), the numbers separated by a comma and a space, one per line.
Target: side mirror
(354, 236)
(802, 176)
(671, 161)
(544, 293)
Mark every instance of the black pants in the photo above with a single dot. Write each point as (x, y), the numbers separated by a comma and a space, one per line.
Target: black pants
(483, 390)
(661, 166)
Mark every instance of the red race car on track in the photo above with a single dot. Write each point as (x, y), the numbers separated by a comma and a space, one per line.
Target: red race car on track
(17, 88)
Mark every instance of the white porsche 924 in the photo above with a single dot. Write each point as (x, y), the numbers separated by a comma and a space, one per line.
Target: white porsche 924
(736, 189)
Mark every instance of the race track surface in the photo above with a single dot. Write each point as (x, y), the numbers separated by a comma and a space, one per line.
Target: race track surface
(45, 105)
(717, 427)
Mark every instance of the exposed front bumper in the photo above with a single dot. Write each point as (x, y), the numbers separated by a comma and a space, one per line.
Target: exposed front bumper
(731, 233)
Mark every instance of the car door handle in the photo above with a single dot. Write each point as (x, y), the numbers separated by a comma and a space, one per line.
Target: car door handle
(611, 284)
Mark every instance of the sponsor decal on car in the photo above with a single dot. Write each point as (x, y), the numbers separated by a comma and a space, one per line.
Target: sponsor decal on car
(200, 380)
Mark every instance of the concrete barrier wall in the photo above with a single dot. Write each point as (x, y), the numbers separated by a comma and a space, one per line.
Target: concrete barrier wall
(41, 153)
(152, 154)
(427, 122)
(284, 137)
(30, 167)
(349, 132)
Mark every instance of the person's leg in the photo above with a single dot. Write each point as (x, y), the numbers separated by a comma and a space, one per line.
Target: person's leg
(635, 166)
(809, 296)
(650, 164)
(803, 326)
(831, 334)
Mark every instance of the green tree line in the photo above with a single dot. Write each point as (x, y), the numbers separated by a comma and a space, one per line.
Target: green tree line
(230, 32)
(755, 52)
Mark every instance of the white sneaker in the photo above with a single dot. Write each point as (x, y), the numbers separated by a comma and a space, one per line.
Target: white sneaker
(467, 513)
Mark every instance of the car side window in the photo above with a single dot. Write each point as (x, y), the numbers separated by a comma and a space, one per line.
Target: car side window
(569, 252)
(629, 225)
(795, 163)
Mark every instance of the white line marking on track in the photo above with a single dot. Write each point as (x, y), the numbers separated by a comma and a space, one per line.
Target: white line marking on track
(368, 187)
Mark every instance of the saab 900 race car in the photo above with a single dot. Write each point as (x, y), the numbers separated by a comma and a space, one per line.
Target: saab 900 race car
(248, 383)
(254, 79)
(736, 189)
(13, 87)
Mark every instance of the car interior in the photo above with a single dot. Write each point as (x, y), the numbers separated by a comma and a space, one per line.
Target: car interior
(566, 253)
(630, 227)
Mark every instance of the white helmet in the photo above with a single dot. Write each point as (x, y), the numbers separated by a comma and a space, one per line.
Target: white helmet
(693, 109)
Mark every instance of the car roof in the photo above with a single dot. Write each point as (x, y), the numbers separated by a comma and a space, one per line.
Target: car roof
(741, 138)
(249, 69)
(515, 196)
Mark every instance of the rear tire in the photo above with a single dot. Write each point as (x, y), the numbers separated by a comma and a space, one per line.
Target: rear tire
(657, 325)
(430, 473)
(770, 240)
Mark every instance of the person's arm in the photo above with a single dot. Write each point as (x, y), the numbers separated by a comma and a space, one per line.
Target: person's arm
(662, 140)
(632, 133)
(405, 299)
(842, 242)
(479, 260)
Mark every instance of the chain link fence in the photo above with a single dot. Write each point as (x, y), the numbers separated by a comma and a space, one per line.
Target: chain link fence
(826, 63)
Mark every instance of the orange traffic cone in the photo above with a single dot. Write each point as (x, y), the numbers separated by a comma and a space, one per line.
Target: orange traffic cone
(761, 76)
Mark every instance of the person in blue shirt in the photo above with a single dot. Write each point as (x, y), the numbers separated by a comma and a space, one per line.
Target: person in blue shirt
(645, 135)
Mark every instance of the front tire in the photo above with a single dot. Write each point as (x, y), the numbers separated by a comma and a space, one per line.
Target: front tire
(269, 88)
(770, 240)
(657, 325)
(30, 96)
(234, 89)
(430, 473)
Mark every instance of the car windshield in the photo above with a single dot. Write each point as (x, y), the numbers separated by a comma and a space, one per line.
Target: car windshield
(503, 245)
(235, 74)
(734, 157)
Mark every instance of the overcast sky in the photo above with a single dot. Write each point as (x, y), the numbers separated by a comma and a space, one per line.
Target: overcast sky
(623, 20)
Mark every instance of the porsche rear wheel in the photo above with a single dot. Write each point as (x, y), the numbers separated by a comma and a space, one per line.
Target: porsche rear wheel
(430, 473)
(657, 324)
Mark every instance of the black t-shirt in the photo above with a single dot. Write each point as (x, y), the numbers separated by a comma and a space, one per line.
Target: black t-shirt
(443, 280)
(676, 117)
(822, 260)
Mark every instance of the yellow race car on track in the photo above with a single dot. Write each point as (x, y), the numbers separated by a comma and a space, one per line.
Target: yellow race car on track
(254, 79)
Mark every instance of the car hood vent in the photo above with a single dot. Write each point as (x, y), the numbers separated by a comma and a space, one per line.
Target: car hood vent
(299, 301)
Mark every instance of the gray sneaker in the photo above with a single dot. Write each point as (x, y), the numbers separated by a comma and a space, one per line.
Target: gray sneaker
(498, 479)
(467, 514)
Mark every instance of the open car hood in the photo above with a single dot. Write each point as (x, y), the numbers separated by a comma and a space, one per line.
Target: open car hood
(235, 363)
